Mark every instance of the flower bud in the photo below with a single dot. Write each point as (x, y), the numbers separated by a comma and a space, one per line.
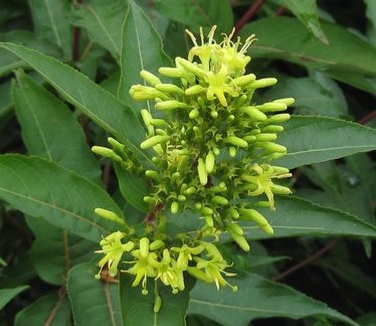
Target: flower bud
(144, 247)
(174, 207)
(149, 77)
(169, 88)
(264, 82)
(108, 215)
(220, 200)
(156, 244)
(236, 141)
(209, 162)
(202, 174)
(272, 107)
(170, 105)
(106, 152)
(152, 141)
(254, 113)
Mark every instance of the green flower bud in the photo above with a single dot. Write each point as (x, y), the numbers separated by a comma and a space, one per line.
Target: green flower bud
(240, 240)
(156, 244)
(202, 174)
(235, 227)
(149, 77)
(272, 107)
(169, 88)
(144, 247)
(106, 152)
(276, 119)
(266, 137)
(264, 82)
(109, 215)
(152, 141)
(220, 200)
(288, 101)
(157, 304)
(243, 80)
(254, 113)
(174, 207)
(194, 90)
(236, 141)
(170, 105)
(209, 162)
(272, 129)
(194, 114)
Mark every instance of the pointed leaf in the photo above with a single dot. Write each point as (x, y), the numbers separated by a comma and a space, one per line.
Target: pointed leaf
(49, 128)
(49, 310)
(7, 295)
(102, 21)
(318, 139)
(50, 20)
(102, 107)
(93, 302)
(295, 217)
(41, 188)
(306, 12)
(283, 38)
(256, 298)
(141, 49)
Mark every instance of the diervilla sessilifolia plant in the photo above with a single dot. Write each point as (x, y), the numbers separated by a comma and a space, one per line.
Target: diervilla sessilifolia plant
(212, 148)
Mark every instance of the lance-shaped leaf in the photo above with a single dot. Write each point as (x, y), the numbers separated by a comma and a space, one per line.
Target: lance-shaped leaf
(93, 302)
(49, 128)
(51, 22)
(99, 105)
(7, 295)
(283, 38)
(102, 21)
(38, 187)
(318, 139)
(256, 298)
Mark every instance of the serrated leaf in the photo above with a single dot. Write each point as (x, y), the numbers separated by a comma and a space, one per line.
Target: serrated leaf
(7, 295)
(256, 298)
(283, 38)
(102, 21)
(50, 308)
(318, 139)
(138, 309)
(49, 128)
(196, 13)
(50, 21)
(93, 302)
(296, 217)
(38, 187)
(141, 49)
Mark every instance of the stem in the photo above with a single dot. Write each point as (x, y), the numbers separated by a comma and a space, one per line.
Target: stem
(306, 261)
(248, 15)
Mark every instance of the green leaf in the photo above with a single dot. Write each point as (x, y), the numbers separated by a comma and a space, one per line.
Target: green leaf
(141, 49)
(196, 13)
(318, 139)
(7, 295)
(256, 298)
(50, 309)
(296, 217)
(99, 105)
(138, 309)
(371, 15)
(55, 251)
(132, 187)
(41, 188)
(49, 128)
(51, 23)
(93, 302)
(306, 12)
(103, 21)
(6, 102)
(283, 38)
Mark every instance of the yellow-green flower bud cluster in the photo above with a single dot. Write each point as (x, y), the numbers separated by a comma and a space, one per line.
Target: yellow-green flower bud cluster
(154, 260)
(214, 146)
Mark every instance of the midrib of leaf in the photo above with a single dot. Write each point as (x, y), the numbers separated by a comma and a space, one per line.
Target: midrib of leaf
(57, 208)
(39, 128)
(300, 56)
(54, 28)
(330, 149)
(100, 22)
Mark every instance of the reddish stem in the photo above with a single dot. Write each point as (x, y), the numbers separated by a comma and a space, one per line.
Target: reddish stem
(280, 11)
(306, 261)
(367, 118)
(248, 15)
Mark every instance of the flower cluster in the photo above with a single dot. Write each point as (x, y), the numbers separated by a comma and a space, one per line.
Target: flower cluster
(212, 148)
(154, 260)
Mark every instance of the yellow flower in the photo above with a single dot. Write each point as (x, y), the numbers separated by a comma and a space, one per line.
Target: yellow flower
(113, 249)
